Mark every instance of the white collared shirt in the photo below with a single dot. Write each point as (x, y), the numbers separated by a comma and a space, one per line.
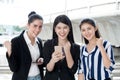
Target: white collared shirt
(35, 53)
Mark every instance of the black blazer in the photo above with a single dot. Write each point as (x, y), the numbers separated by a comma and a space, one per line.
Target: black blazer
(60, 69)
(20, 59)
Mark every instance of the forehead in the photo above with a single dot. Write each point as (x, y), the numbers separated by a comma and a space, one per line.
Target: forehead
(61, 25)
(86, 25)
(37, 21)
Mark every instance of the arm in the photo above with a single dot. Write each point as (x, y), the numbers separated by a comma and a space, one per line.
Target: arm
(55, 58)
(68, 55)
(80, 66)
(110, 55)
(50, 56)
(69, 59)
(105, 54)
(12, 55)
(74, 54)
(106, 60)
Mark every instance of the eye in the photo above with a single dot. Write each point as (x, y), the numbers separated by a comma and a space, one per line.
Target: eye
(35, 25)
(82, 30)
(65, 27)
(40, 27)
(58, 27)
(89, 28)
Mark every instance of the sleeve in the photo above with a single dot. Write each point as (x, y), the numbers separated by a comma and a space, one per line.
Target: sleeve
(14, 60)
(80, 64)
(47, 52)
(76, 53)
(110, 54)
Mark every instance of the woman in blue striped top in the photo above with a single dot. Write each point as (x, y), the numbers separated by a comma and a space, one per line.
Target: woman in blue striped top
(97, 58)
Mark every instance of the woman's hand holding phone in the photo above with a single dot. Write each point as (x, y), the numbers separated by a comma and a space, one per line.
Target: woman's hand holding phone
(40, 61)
(57, 54)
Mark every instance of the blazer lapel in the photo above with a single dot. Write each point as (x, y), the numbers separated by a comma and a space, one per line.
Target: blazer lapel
(25, 46)
(40, 47)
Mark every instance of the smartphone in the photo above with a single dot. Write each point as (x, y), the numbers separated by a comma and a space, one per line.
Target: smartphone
(60, 49)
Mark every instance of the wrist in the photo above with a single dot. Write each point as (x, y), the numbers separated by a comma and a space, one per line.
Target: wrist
(52, 61)
(100, 47)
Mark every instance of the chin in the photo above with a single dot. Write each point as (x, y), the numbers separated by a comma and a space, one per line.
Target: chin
(34, 36)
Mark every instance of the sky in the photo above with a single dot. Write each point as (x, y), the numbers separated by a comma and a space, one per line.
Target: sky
(14, 12)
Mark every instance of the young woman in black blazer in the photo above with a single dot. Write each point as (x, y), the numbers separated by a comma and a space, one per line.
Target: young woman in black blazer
(61, 53)
(24, 52)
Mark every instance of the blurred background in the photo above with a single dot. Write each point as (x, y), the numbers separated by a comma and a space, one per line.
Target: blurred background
(14, 15)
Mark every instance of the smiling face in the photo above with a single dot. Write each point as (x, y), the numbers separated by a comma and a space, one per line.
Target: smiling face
(62, 30)
(35, 28)
(88, 31)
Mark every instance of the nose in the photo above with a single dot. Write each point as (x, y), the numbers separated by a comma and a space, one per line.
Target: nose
(86, 32)
(38, 29)
(62, 30)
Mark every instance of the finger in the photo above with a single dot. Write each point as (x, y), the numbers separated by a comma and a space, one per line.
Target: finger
(40, 60)
(62, 57)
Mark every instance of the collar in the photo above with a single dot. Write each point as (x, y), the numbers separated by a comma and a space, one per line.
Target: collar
(28, 41)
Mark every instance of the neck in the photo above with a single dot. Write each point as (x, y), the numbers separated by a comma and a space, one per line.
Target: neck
(93, 41)
(62, 42)
(31, 38)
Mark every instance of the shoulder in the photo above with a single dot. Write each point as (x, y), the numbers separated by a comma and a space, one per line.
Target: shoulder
(17, 38)
(106, 43)
(49, 41)
(48, 45)
(52, 42)
(76, 45)
(39, 39)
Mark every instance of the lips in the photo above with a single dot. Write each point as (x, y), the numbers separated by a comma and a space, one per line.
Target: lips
(62, 35)
(87, 36)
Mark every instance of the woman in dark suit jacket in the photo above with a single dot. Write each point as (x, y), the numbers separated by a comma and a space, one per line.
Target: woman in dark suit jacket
(25, 50)
(61, 54)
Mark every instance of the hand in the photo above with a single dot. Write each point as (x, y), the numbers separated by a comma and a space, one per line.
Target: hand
(56, 56)
(7, 44)
(40, 61)
(99, 42)
(67, 47)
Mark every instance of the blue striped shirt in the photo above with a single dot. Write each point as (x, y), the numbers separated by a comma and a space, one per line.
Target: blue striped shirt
(92, 63)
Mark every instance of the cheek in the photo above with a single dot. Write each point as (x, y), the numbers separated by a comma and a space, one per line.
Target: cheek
(92, 32)
(30, 28)
(55, 30)
(83, 33)
(66, 31)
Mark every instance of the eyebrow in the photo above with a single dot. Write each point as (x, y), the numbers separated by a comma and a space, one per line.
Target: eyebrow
(35, 24)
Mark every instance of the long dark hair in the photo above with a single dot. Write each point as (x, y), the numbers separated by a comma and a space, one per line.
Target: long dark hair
(91, 22)
(63, 19)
